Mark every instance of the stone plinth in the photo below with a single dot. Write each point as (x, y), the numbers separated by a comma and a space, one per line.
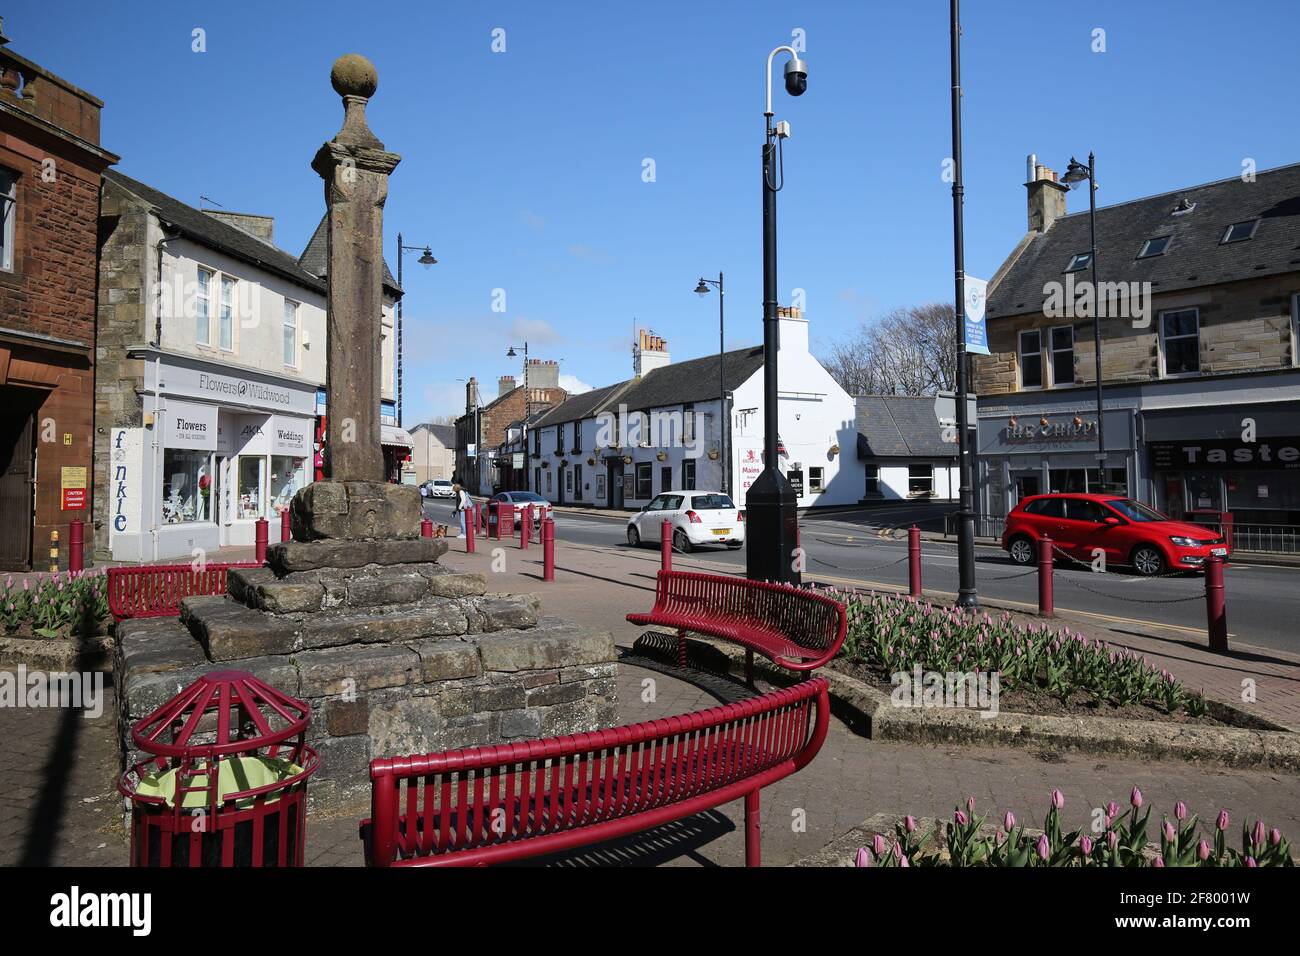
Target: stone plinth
(355, 511)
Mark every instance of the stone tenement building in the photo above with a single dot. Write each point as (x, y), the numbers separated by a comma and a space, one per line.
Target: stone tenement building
(1199, 293)
(50, 171)
(487, 426)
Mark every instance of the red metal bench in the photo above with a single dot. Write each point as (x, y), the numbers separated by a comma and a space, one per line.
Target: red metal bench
(156, 590)
(793, 627)
(487, 805)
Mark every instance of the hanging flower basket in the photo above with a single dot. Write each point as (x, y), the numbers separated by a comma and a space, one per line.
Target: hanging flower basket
(713, 454)
(662, 456)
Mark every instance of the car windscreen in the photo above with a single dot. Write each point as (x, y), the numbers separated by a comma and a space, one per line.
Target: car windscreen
(1135, 510)
(528, 496)
(712, 502)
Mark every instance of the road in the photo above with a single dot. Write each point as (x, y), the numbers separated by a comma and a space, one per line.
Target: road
(844, 549)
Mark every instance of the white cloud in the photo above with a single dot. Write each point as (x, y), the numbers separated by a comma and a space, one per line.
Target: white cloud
(533, 330)
(573, 385)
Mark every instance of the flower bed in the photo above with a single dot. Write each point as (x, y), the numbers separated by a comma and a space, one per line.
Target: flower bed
(72, 604)
(1116, 841)
(1040, 669)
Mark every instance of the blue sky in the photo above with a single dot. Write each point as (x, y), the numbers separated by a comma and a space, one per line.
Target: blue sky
(523, 169)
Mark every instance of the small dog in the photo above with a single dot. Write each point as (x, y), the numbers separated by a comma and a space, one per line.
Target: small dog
(440, 531)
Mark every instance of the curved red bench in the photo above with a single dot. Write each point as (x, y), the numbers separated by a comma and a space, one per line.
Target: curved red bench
(156, 590)
(486, 805)
(793, 627)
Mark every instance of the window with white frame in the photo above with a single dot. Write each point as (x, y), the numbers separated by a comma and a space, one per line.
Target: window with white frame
(688, 474)
(203, 308)
(1031, 359)
(1180, 341)
(226, 315)
(920, 481)
(1062, 345)
(290, 333)
(8, 217)
(816, 477)
(873, 480)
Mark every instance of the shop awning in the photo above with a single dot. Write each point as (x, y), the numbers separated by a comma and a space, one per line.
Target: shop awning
(393, 437)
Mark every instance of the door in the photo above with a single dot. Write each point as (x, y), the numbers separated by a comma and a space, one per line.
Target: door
(17, 460)
(615, 476)
(577, 482)
(1026, 484)
(560, 480)
(666, 478)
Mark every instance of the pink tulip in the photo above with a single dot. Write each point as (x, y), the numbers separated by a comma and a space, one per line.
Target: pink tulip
(1009, 821)
(1058, 799)
(1112, 809)
(1135, 798)
(902, 862)
(863, 858)
(878, 845)
(909, 824)
(898, 852)
(1044, 848)
(1180, 810)
(960, 817)
(1257, 833)
(1085, 845)
(1203, 851)
(1112, 840)
(1170, 832)
(1275, 836)
(1250, 862)
(1222, 822)
(970, 804)
(1159, 862)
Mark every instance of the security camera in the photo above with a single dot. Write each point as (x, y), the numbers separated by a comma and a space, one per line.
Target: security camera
(796, 77)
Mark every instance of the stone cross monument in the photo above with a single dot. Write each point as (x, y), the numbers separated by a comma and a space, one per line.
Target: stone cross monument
(354, 501)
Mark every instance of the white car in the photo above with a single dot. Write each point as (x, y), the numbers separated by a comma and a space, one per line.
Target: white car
(698, 517)
(521, 500)
(436, 488)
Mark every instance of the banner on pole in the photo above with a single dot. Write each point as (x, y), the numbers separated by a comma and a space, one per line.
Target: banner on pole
(977, 339)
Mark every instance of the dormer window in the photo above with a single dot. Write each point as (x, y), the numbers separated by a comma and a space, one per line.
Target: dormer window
(1154, 247)
(1079, 261)
(1240, 231)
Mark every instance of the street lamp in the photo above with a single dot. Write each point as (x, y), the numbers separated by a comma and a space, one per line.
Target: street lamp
(770, 502)
(1077, 173)
(523, 432)
(724, 417)
(425, 260)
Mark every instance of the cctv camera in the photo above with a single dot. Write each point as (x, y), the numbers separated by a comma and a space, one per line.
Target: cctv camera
(796, 77)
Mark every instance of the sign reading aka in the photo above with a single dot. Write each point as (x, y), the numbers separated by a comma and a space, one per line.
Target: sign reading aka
(1218, 454)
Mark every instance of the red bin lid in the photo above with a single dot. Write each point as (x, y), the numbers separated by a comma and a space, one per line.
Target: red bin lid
(275, 717)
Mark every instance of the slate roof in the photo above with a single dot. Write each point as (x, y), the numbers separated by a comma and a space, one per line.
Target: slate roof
(444, 433)
(214, 233)
(1196, 255)
(695, 380)
(900, 426)
(315, 258)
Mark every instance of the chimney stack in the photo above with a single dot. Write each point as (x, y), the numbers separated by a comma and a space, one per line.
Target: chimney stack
(1046, 196)
(471, 395)
(543, 373)
(505, 385)
(651, 353)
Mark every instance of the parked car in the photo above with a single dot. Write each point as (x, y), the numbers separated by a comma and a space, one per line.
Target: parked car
(1127, 532)
(436, 488)
(698, 517)
(521, 500)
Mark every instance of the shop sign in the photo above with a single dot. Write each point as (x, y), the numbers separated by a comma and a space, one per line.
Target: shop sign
(1036, 431)
(206, 382)
(291, 436)
(795, 477)
(124, 480)
(187, 425)
(750, 465)
(1263, 454)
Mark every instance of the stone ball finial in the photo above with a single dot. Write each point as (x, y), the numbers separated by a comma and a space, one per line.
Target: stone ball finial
(354, 75)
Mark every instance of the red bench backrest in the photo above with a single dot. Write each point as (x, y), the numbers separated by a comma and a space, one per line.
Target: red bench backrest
(156, 590)
(489, 804)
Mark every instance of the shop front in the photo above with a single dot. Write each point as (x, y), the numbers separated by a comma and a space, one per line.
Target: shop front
(218, 449)
(1044, 449)
(1244, 460)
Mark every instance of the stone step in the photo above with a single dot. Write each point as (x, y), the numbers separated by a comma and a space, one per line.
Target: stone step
(288, 556)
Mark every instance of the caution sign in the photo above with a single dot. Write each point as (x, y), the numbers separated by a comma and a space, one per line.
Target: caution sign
(74, 487)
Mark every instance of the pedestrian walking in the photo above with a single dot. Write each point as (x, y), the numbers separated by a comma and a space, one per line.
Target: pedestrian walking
(463, 505)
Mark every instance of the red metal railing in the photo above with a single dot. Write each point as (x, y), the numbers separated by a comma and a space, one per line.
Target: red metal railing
(486, 805)
(156, 590)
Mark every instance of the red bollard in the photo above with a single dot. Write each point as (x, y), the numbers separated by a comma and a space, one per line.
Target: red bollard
(1045, 608)
(76, 545)
(426, 528)
(286, 533)
(259, 540)
(1216, 612)
(914, 561)
(506, 519)
(471, 525)
(666, 546)
(548, 549)
(526, 528)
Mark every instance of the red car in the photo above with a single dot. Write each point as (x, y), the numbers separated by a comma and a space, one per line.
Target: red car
(1126, 531)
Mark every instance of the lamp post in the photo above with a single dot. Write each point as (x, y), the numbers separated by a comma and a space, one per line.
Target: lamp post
(1075, 174)
(967, 594)
(724, 417)
(770, 502)
(527, 409)
(426, 259)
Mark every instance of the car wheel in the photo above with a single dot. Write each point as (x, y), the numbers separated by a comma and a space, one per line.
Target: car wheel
(733, 545)
(1021, 550)
(633, 536)
(1147, 560)
(682, 543)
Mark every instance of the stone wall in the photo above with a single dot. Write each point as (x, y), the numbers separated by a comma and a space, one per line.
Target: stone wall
(392, 659)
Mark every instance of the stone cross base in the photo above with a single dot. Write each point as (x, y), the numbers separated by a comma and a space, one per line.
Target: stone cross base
(355, 510)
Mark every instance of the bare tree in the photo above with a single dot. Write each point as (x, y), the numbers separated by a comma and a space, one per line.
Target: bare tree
(909, 351)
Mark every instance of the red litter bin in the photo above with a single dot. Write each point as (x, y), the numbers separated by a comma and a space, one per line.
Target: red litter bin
(225, 780)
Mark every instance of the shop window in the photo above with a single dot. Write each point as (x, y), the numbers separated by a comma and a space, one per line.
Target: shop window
(290, 333)
(8, 217)
(873, 479)
(203, 308)
(288, 474)
(1062, 343)
(920, 481)
(643, 480)
(249, 491)
(815, 478)
(1180, 341)
(1068, 481)
(226, 317)
(688, 474)
(187, 486)
(1031, 359)
(1116, 482)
